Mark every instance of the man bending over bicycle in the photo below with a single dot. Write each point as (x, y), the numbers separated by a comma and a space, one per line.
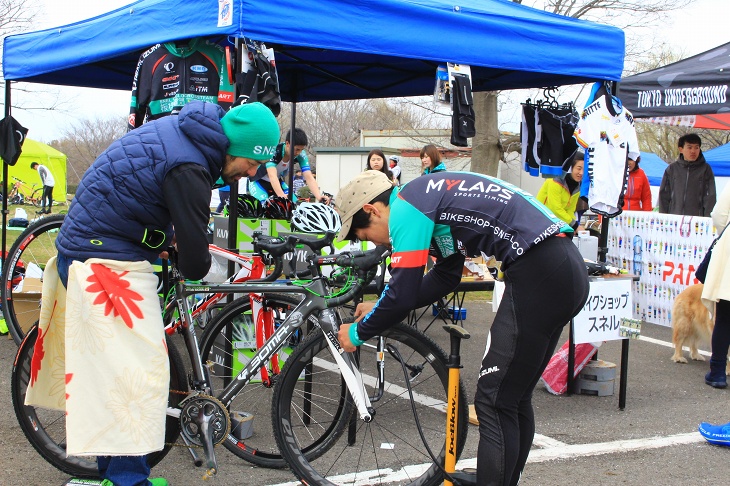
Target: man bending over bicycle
(270, 179)
(450, 216)
(116, 371)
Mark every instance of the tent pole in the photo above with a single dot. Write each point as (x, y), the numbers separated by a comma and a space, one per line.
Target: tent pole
(290, 177)
(5, 181)
(233, 197)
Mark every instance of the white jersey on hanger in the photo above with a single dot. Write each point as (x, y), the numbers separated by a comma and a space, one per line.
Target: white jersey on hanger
(607, 139)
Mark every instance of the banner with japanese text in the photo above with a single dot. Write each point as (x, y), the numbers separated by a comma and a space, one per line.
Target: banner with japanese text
(664, 251)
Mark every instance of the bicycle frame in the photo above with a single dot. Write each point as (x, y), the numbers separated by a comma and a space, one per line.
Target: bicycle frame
(314, 301)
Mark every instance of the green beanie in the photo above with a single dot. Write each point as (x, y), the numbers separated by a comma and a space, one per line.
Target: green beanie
(252, 130)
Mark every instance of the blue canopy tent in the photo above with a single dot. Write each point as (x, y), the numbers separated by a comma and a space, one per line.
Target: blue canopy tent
(719, 159)
(653, 166)
(334, 49)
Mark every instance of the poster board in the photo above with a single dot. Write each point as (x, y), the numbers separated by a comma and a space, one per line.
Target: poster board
(609, 301)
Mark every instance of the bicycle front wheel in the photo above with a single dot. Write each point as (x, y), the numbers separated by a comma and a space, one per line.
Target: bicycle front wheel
(228, 343)
(22, 272)
(45, 429)
(389, 449)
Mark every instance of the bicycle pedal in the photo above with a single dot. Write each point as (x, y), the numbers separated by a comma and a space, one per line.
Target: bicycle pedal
(465, 477)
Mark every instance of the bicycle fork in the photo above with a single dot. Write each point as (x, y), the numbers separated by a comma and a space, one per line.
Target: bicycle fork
(348, 366)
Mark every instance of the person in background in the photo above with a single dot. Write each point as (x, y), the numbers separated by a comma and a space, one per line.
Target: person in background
(560, 194)
(431, 160)
(453, 215)
(638, 192)
(299, 181)
(393, 161)
(224, 194)
(688, 184)
(271, 179)
(48, 183)
(105, 249)
(716, 293)
(376, 161)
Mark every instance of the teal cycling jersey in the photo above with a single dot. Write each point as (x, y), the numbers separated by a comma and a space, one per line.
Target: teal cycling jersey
(450, 216)
(259, 186)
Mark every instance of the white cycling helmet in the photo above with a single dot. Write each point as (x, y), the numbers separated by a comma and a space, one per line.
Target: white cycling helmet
(315, 218)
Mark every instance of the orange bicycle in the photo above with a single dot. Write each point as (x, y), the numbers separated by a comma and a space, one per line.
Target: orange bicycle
(22, 193)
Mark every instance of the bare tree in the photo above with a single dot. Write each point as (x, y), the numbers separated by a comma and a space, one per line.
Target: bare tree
(84, 141)
(634, 16)
(338, 123)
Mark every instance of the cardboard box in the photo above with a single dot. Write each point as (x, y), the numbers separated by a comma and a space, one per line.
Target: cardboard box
(27, 303)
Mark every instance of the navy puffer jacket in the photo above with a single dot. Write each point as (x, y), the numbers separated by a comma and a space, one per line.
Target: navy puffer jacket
(119, 199)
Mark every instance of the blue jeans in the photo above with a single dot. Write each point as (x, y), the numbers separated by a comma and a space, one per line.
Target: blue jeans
(120, 470)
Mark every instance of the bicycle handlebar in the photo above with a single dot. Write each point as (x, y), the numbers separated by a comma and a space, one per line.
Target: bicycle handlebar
(365, 263)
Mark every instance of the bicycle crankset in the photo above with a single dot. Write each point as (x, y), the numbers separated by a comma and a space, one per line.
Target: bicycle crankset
(204, 420)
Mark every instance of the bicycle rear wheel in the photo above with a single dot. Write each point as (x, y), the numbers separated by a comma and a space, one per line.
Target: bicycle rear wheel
(45, 429)
(36, 196)
(20, 283)
(228, 343)
(389, 448)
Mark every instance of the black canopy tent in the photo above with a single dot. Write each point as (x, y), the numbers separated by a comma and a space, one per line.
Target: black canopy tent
(697, 85)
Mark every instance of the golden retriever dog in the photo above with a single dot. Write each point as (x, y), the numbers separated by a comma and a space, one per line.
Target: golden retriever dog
(691, 323)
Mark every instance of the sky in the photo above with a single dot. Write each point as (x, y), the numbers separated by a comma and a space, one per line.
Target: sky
(690, 31)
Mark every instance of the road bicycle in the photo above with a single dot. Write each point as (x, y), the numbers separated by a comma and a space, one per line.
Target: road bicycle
(22, 193)
(334, 391)
(45, 429)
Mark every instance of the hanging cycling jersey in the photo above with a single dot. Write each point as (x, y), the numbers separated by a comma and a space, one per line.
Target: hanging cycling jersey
(168, 76)
(609, 136)
(448, 213)
(259, 185)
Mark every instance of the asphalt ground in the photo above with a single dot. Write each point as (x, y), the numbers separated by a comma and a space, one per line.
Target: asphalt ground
(582, 439)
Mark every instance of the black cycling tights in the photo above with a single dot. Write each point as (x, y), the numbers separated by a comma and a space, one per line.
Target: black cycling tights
(545, 289)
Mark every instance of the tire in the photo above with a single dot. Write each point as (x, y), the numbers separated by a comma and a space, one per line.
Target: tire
(379, 451)
(224, 354)
(46, 429)
(27, 257)
(35, 197)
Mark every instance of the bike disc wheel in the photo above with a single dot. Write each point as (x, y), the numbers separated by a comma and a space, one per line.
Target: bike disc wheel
(227, 344)
(22, 272)
(388, 450)
(45, 429)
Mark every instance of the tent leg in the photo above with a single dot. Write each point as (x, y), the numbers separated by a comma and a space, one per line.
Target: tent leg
(5, 182)
(290, 176)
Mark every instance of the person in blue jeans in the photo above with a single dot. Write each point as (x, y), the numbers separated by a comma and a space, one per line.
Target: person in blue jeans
(156, 178)
(224, 194)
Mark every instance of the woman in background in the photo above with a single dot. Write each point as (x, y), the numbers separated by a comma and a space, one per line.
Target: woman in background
(560, 194)
(431, 160)
(638, 194)
(376, 161)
